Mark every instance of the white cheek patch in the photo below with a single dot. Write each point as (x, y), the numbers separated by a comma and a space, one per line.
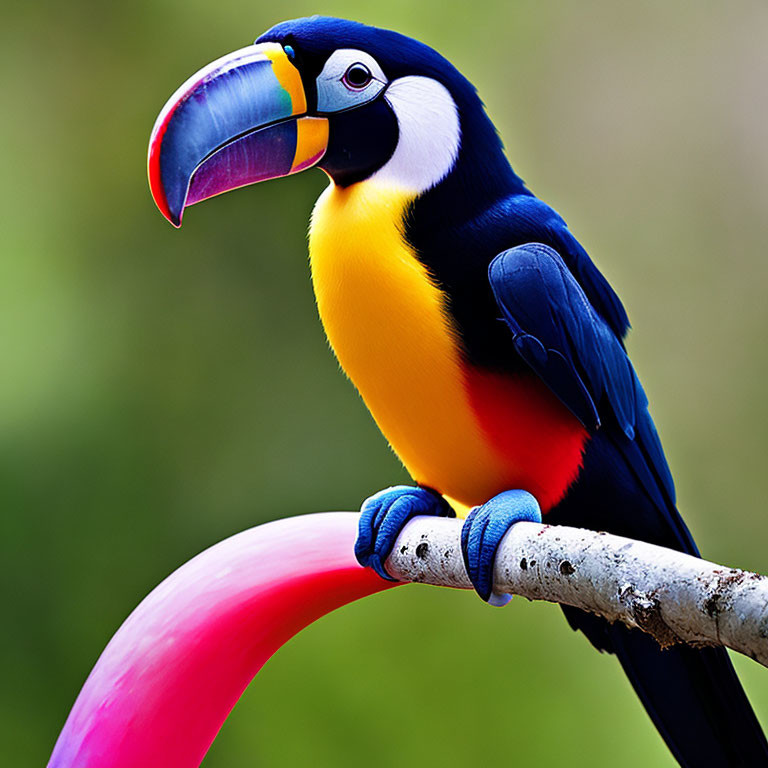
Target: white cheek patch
(430, 133)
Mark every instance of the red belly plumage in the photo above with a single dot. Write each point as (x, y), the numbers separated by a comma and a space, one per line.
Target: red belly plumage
(540, 440)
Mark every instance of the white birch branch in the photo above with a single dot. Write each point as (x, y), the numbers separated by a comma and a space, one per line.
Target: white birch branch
(674, 597)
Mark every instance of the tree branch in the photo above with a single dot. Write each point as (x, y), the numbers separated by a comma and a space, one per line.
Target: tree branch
(674, 597)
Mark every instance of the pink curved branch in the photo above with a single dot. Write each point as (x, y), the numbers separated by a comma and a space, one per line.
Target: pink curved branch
(166, 682)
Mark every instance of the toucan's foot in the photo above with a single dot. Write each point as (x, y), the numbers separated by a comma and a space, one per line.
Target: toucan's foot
(482, 533)
(384, 515)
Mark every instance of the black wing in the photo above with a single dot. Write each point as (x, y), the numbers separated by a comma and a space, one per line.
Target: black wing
(693, 696)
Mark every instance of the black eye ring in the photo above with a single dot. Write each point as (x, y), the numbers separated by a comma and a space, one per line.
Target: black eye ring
(357, 77)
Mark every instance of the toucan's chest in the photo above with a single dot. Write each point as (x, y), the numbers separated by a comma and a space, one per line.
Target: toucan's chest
(465, 432)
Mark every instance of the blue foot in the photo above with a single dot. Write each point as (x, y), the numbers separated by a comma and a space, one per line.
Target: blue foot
(384, 515)
(482, 533)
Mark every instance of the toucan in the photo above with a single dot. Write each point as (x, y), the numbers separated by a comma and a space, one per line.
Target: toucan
(481, 336)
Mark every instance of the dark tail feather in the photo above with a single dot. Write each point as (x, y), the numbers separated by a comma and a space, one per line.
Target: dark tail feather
(693, 696)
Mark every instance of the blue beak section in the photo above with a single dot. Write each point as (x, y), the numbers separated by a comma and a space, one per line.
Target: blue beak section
(227, 126)
(264, 154)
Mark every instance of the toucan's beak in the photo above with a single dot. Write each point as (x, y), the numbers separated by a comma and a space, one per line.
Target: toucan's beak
(240, 120)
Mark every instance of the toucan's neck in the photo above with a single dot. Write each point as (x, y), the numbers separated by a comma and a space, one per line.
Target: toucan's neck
(480, 177)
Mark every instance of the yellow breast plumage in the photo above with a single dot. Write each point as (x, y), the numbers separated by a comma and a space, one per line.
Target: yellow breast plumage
(388, 326)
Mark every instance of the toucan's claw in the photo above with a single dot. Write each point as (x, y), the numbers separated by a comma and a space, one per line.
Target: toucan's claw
(482, 533)
(383, 516)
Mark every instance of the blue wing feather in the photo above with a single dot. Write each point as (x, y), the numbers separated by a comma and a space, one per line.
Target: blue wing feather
(569, 345)
(535, 222)
(560, 335)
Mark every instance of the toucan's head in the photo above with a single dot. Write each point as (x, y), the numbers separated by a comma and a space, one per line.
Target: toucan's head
(357, 101)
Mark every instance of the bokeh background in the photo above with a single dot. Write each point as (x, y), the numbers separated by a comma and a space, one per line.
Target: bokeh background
(163, 389)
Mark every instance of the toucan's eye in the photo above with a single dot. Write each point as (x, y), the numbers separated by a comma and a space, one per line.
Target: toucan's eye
(289, 52)
(357, 77)
(349, 78)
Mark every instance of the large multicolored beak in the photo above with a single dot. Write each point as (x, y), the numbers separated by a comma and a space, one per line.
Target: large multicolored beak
(240, 120)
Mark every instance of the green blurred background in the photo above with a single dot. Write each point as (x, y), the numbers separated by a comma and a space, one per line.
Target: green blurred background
(163, 389)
